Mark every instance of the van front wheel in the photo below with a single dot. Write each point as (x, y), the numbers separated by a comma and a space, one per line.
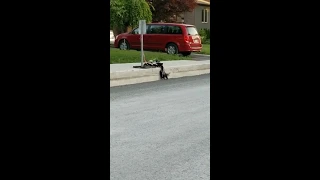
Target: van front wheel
(172, 48)
(124, 45)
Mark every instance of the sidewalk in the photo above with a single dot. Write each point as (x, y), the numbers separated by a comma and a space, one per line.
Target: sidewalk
(124, 74)
(166, 64)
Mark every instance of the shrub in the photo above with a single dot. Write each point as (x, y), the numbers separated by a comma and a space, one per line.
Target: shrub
(205, 35)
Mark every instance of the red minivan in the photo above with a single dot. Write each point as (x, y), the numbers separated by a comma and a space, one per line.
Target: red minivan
(172, 38)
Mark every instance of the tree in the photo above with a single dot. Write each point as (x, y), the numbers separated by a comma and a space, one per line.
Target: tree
(127, 13)
(165, 9)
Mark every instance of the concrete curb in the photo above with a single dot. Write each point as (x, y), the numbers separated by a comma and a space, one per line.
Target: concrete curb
(201, 55)
(135, 76)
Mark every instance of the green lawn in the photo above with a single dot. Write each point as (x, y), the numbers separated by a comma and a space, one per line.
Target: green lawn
(205, 49)
(134, 56)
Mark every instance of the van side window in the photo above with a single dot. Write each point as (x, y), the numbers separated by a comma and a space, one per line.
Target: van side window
(135, 31)
(156, 29)
(174, 30)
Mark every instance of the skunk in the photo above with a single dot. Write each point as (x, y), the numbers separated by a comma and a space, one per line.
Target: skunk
(163, 74)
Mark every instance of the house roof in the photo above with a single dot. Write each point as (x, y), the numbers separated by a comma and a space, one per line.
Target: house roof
(160, 23)
(203, 2)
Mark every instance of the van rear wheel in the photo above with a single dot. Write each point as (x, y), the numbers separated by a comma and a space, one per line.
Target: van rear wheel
(172, 48)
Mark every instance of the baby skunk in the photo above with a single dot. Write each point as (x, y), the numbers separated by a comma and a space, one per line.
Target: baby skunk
(163, 74)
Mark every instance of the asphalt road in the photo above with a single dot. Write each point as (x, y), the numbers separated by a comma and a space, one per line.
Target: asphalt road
(161, 130)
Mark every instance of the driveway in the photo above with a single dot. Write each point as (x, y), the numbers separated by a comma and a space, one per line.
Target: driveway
(199, 57)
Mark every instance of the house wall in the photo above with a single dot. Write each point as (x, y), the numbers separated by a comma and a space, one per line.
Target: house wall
(198, 17)
(189, 17)
(195, 17)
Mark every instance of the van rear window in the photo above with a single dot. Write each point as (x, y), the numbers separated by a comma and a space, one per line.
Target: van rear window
(192, 30)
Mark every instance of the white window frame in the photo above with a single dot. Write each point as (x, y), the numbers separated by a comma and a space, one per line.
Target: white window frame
(205, 14)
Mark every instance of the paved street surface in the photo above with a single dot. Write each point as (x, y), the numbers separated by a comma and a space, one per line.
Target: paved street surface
(161, 130)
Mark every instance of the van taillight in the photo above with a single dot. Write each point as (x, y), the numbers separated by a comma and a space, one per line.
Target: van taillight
(186, 39)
